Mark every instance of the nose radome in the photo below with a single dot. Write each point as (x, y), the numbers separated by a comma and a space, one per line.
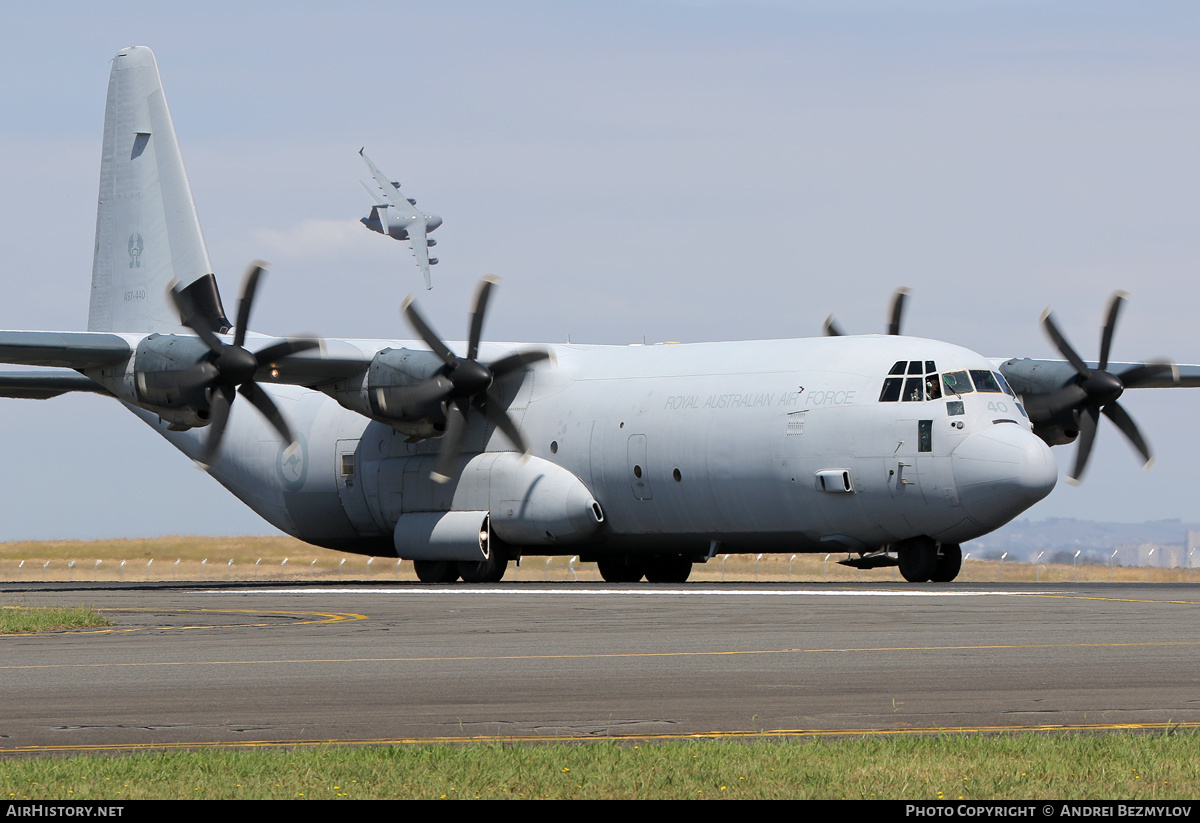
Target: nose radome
(1001, 471)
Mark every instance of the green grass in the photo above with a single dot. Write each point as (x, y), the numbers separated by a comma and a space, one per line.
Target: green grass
(22, 620)
(978, 767)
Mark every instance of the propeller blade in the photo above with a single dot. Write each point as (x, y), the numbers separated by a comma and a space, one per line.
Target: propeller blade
(520, 360)
(249, 287)
(1088, 420)
(897, 311)
(447, 459)
(832, 329)
(187, 317)
(1144, 375)
(222, 399)
(426, 333)
(283, 348)
(1117, 414)
(477, 314)
(1110, 325)
(1061, 343)
(263, 402)
(495, 413)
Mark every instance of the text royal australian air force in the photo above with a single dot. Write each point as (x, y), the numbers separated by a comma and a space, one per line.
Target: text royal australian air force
(798, 399)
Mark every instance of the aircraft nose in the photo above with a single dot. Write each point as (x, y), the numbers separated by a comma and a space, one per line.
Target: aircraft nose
(1001, 471)
(432, 221)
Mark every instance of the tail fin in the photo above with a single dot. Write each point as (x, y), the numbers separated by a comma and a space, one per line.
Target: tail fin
(147, 232)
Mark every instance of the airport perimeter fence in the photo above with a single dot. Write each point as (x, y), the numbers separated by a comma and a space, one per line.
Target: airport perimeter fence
(23, 563)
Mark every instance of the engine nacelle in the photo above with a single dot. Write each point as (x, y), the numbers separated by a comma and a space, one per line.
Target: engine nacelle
(376, 393)
(165, 355)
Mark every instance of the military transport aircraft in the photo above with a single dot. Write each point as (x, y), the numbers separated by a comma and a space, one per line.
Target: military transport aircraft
(646, 459)
(398, 217)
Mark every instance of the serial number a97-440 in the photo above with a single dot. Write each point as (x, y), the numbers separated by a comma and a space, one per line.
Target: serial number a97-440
(135, 294)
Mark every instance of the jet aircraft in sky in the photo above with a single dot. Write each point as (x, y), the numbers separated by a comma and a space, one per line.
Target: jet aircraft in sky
(398, 217)
(465, 456)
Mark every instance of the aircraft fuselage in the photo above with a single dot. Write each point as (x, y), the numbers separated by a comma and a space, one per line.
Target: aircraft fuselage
(778, 445)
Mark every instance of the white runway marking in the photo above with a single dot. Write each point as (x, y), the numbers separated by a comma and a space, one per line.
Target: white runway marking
(643, 592)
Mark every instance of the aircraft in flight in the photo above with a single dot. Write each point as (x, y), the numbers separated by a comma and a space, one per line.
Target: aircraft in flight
(465, 456)
(397, 216)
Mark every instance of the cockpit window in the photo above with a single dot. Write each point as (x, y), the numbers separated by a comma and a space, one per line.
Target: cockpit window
(912, 389)
(957, 382)
(1004, 384)
(985, 381)
(891, 390)
(920, 382)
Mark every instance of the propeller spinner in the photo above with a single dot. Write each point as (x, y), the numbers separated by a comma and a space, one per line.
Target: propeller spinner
(1093, 392)
(465, 382)
(229, 369)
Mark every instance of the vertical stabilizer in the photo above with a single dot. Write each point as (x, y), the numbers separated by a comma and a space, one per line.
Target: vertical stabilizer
(147, 231)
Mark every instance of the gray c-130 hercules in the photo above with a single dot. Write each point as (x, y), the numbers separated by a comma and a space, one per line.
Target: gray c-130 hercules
(465, 456)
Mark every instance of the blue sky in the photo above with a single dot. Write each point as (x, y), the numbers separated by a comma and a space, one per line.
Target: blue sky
(675, 170)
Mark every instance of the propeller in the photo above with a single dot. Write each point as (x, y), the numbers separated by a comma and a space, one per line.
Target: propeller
(1093, 392)
(229, 368)
(895, 315)
(465, 383)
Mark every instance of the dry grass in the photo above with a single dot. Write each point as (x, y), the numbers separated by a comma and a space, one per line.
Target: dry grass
(215, 559)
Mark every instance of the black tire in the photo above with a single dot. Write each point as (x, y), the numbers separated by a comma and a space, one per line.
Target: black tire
(622, 569)
(436, 571)
(949, 562)
(669, 569)
(485, 571)
(918, 560)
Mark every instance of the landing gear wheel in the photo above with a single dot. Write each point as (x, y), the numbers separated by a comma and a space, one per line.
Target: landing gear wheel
(669, 569)
(621, 569)
(485, 571)
(949, 562)
(918, 560)
(436, 571)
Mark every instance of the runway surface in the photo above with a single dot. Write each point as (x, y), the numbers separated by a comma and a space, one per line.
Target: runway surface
(261, 665)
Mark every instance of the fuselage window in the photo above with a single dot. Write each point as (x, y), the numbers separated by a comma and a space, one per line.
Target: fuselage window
(957, 382)
(984, 381)
(912, 389)
(924, 435)
(954, 407)
(891, 390)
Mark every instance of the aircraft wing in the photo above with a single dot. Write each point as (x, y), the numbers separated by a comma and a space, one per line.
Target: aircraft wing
(387, 192)
(1028, 376)
(45, 383)
(420, 247)
(72, 350)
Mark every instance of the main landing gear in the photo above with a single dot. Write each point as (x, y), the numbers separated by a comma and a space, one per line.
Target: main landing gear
(666, 568)
(448, 571)
(924, 560)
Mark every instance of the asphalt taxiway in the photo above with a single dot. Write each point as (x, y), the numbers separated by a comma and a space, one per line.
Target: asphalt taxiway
(261, 665)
